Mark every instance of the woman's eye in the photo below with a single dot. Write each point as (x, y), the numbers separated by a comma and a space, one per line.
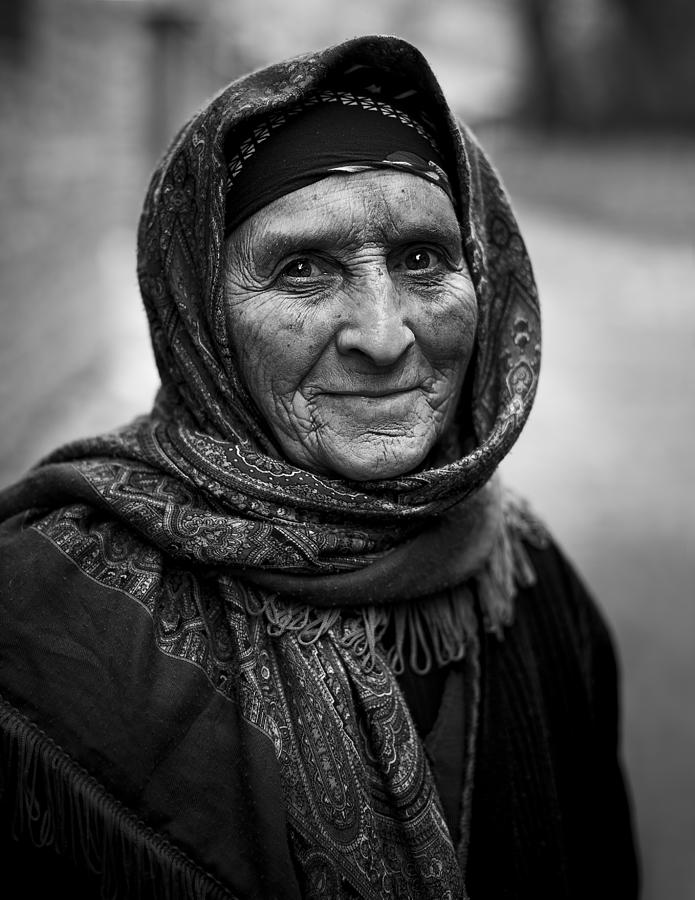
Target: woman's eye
(420, 258)
(299, 268)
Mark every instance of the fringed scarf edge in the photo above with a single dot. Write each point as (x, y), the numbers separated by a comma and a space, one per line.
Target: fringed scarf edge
(428, 633)
(55, 803)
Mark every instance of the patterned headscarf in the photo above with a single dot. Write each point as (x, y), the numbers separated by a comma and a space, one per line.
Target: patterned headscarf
(181, 271)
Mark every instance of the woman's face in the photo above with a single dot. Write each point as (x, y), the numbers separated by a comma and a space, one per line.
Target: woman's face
(353, 316)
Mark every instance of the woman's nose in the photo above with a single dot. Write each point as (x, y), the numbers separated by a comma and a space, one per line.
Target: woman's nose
(375, 325)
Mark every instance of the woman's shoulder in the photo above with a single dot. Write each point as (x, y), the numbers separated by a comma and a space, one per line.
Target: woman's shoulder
(58, 551)
(102, 643)
(554, 596)
(85, 598)
(68, 578)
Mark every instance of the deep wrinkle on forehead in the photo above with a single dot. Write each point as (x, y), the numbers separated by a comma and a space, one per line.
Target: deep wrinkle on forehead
(311, 219)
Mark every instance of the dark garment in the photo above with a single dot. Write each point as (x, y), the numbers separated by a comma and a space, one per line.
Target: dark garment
(548, 742)
(549, 817)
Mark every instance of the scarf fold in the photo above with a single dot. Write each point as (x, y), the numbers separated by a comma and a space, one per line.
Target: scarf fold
(426, 590)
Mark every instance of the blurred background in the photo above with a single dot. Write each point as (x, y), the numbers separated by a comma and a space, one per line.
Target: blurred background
(587, 108)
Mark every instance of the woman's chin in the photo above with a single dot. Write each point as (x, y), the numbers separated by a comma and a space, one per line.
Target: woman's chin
(374, 460)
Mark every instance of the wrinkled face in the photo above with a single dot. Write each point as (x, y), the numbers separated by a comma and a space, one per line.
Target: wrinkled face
(352, 315)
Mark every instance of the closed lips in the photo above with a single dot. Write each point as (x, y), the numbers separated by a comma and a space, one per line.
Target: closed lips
(373, 393)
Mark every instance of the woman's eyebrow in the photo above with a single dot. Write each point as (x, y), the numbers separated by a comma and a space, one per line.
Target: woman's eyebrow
(279, 241)
(435, 231)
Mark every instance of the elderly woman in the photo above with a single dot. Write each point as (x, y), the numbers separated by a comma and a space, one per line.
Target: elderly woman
(287, 636)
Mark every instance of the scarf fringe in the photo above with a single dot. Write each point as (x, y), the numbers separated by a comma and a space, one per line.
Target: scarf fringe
(426, 634)
(55, 803)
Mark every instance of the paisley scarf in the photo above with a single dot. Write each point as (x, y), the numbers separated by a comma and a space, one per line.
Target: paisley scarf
(312, 570)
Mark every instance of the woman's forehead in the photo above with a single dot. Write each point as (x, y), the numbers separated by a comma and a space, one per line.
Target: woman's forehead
(373, 206)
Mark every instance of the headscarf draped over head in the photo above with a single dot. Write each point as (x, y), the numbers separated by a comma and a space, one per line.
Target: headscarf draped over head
(181, 261)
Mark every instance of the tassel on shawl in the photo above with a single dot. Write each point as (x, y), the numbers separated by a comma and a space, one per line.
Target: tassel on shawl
(57, 804)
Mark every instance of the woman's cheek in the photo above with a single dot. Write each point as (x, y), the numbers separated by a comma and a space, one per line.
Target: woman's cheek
(278, 342)
(449, 324)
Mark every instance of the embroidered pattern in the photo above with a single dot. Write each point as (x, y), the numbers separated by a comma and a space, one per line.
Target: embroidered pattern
(364, 816)
(261, 133)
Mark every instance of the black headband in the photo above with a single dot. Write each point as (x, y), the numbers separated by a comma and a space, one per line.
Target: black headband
(330, 133)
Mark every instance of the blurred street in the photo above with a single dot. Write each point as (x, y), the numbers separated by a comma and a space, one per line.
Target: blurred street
(607, 457)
